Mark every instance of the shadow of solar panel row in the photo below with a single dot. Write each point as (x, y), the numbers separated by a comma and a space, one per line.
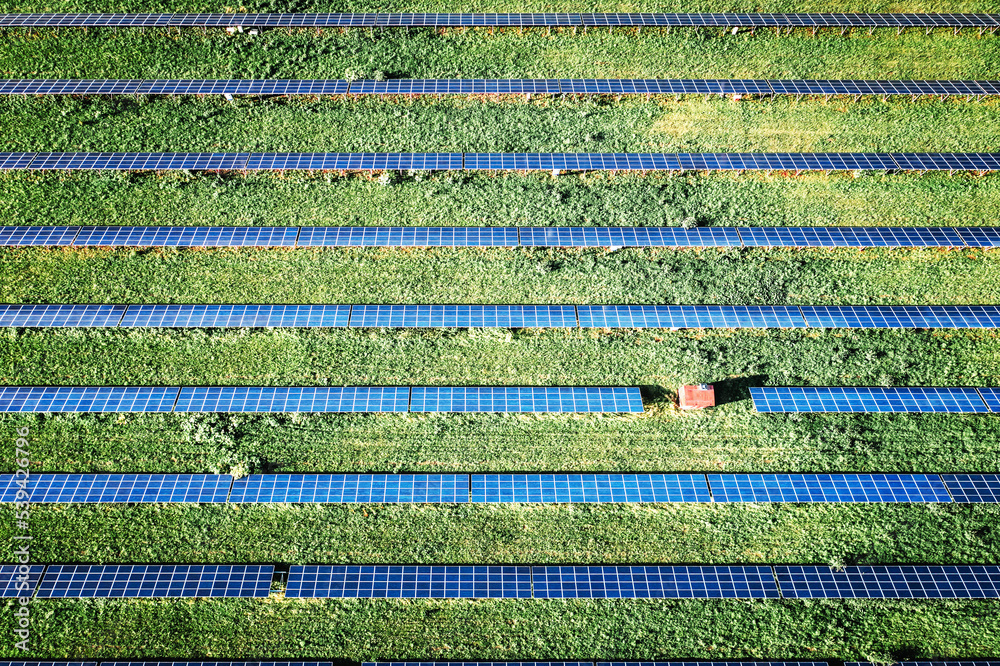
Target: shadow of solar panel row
(767, 87)
(979, 162)
(334, 399)
(152, 580)
(889, 582)
(953, 399)
(749, 20)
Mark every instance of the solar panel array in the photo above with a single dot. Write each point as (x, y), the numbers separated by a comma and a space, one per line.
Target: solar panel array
(953, 399)
(725, 20)
(889, 582)
(318, 399)
(658, 582)
(977, 162)
(19, 580)
(154, 580)
(409, 582)
(614, 237)
(884, 88)
(505, 316)
(501, 488)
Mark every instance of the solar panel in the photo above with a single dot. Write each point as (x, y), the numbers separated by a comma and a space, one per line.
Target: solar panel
(125, 488)
(87, 398)
(890, 582)
(408, 236)
(19, 580)
(236, 316)
(393, 488)
(979, 236)
(16, 160)
(155, 580)
(991, 397)
(508, 488)
(690, 316)
(188, 236)
(409, 582)
(525, 399)
(850, 237)
(15, 236)
(293, 399)
(973, 487)
(902, 316)
(658, 582)
(866, 399)
(827, 488)
(61, 315)
(463, 316)
(629, 237)
(140, 161)
(171, 87)
(355, 161)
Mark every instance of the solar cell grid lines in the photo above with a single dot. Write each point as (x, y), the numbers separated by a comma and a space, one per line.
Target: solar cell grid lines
(87, 398)
(902, 316)
(973, 487)
(828, 488)
(991, 396)
(19, 580)
(589, 488)
(867, 399)
(463, 316)
(525, 399)
(408, 236)
(124, 488)
(293, 399)
(663, 582)
(235, 316)
(690, 316)
(61, 315)
(151, 580)
(409, 582)
(394, 488)
(629, 237)
(115, 236)
(28, 236)
(890, 582)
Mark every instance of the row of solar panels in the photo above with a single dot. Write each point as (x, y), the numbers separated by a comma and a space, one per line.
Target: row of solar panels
(504, 316)
(748, 20)
(506, 582)
(319, 399)
(495, 87)
(499, 488)
(614, 237)
(978, 162)
(953, 399)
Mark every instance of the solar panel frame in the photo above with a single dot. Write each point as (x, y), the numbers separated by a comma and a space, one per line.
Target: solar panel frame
(409, 582)
(48, 488)
(122, 236)
(979, 236)
(352, 488)
(867, 488)
(41, 235)
(867, 399)
(902, 316)
(629, 237)
(155, 581)
(589, 488)
(270, 399)
(525, 399)
(990, 396)
(249, 316)
(19, 580)
(60, 315)
(654, 582)
(15, 160)
(87, 398)
(690, 316)
(975, 488)
(139, 161)
(463, 316)
(408, 237)
(889, 582)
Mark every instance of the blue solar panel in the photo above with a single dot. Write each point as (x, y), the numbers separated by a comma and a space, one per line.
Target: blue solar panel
(140, 161)
(16, 160)
(589, 488)
(889, 582)
(525, 399)
(690, 316)
(991, 397)
(19, 580)
(827, 488)
(61, 315)
(188, 236)
(155, 580)
(629, 237)
(392, 488)
(409, 582)
(463, 316)
(15, 236)
(658, 582)
(236, 315)
(973, 487)
(979, 236)
(711, 663)
(127, 488)
(171, 87)
(408, 236)
(850, 237)
(293, 399)
(87, 398)
(902, 316)
(355, 161)
(866, 399)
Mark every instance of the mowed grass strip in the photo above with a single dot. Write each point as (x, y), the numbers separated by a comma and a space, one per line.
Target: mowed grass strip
(507, 199)
(499, 276)
(360, 630)
(460, 124)
(834, 534)
(508, 53)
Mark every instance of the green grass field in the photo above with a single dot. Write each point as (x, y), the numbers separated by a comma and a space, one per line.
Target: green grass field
(731, 437)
